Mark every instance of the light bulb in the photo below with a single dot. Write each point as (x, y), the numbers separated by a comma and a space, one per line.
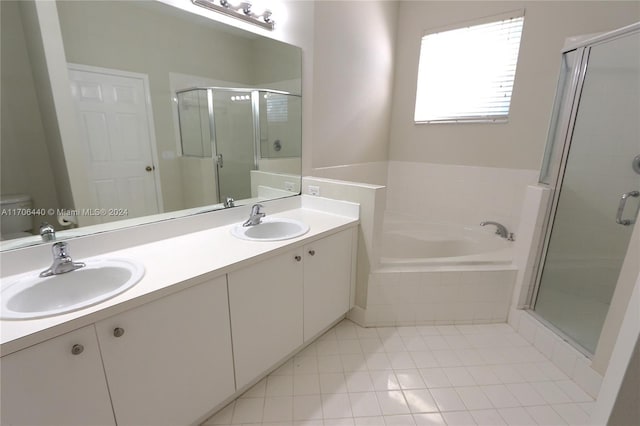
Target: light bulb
(259, 7)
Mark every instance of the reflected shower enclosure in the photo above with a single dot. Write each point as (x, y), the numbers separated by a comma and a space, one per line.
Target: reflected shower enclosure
(229, 134)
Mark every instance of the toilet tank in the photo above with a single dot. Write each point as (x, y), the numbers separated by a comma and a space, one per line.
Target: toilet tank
(16, 216)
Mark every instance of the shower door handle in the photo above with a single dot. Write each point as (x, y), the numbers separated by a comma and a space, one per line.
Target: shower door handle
(219, 160)
(623, 203)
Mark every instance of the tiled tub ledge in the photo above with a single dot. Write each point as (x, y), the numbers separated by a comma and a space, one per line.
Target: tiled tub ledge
(438, 296)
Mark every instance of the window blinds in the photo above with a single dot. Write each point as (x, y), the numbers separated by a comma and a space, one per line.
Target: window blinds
(467, 74)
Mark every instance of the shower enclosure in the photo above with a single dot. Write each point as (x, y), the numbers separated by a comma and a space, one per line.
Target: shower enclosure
(592, 162)
(235, 130)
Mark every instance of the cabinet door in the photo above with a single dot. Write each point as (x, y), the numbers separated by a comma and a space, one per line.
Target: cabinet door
(46, 384)
(327, 281)
(266, 314)
(173, 362)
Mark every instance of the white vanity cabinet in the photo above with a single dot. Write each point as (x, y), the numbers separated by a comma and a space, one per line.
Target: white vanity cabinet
(266, 313)
(328, 267)
(175, 358)
(169, 362)
(56, 382)
(280, 303)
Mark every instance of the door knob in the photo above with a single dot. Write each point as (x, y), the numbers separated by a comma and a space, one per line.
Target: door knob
(77, 349)
(118, 332)
(149, 168)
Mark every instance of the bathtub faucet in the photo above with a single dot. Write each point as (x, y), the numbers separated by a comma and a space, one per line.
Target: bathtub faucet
(500, 230)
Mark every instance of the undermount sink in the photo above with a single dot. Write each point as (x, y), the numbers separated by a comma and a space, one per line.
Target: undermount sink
(31, 296)
(271, 229)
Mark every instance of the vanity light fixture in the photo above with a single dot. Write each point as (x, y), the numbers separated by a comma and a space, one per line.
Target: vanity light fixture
(241, 10)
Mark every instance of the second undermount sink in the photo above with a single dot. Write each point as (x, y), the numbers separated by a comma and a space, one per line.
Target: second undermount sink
(271, 229)
(31, 296)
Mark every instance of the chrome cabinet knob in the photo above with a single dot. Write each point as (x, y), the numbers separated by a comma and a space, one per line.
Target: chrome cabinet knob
(298, 258)
(118, 332)
(312, 252)
(77, 349)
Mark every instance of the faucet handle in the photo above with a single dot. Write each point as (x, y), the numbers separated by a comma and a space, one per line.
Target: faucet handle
(255, 216)
(59, 250)
(47, 232)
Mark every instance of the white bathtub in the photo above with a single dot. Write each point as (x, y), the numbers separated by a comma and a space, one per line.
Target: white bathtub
(439, 274)
(412, 243)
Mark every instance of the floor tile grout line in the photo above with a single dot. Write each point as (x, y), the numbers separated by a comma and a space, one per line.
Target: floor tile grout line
(396, 347)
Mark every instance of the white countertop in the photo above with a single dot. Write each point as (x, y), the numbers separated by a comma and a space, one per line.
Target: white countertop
(171, 265)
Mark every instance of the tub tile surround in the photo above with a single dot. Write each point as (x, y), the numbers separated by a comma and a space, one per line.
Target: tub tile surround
(425, 375)
(373, 173)
(439, 297)
(467, 195)
(480, 294)
(529, 241)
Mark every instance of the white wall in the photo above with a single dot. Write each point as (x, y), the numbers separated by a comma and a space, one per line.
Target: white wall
(24, 150)
(46, 52)
(352, 82)
(518, 144)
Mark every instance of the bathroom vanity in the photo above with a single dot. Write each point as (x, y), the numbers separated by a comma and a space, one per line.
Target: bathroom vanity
(212, 316)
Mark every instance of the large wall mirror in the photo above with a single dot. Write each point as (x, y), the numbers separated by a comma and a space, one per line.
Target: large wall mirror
(173, 113)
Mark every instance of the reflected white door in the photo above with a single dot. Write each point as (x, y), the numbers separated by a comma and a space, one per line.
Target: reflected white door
(116, 127)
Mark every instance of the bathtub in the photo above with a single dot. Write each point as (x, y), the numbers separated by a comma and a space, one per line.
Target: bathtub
(439, 274)
(414, 243)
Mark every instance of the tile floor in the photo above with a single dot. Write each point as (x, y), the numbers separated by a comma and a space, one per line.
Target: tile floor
(425, 375)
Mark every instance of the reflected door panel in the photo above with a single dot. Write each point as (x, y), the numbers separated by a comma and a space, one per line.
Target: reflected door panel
(234, 142)
(115, 128)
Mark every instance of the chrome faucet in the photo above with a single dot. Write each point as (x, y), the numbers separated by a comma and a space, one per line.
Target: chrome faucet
(500, 230)
(256, 215)
(47, 232)
(62, 262)
(229, 202)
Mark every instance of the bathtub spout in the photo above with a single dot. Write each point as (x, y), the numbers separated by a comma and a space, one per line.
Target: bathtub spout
(500, 230)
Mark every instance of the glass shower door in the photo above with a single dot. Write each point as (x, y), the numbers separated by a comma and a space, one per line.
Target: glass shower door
(234, 142)
(598, 202)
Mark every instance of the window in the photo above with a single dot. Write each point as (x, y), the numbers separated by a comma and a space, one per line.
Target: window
(467, 74)
(277, 108)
